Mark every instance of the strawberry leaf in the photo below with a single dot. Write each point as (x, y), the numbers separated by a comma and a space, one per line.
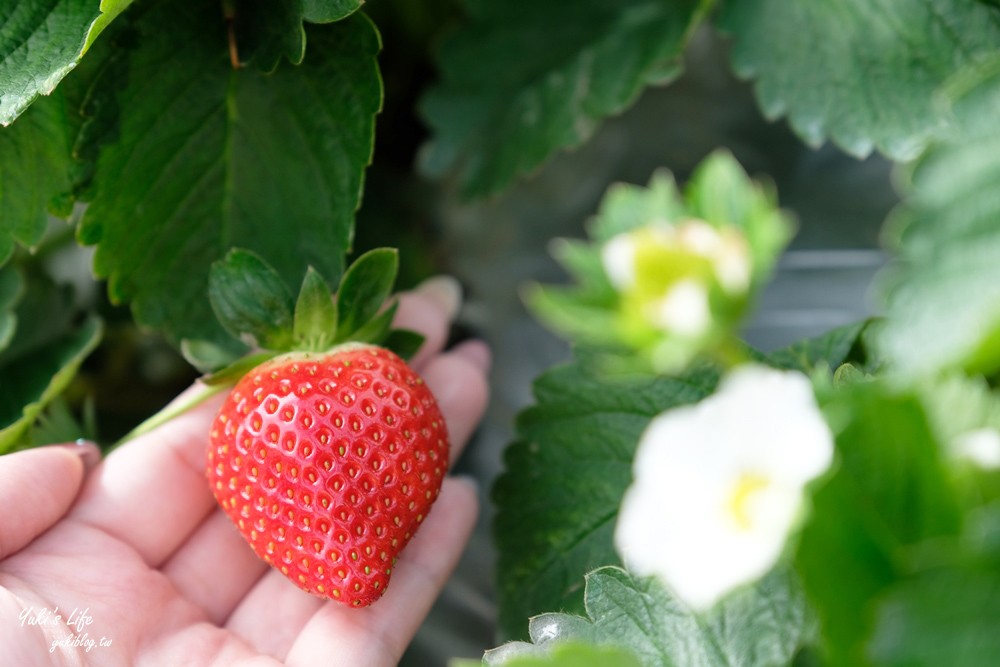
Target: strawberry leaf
(836, 347)
(565, 475)
(251, 301)
(758, 626)
(315, 325)
(863, 74)
(888, 493)
(496, 117)
(37, 371)
(943, 292)
(366, 285)
(941, 616)
(41, 42)
(325, 11)
(35, 168)
(267, 30)
(207, 158)
(11, 289)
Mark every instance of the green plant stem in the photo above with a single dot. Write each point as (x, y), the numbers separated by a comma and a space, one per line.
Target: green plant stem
(174, 409)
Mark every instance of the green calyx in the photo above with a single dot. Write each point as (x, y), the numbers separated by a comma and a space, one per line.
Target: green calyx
(254, 305)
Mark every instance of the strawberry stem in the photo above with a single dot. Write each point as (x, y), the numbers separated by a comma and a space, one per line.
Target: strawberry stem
(174, 409)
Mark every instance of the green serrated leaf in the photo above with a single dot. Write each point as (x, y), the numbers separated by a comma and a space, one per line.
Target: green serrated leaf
(832, 349)
(315, 314)
(366, 285)
(943, 303)
(266, 31)
(326, 11)
(35, 168)
(762, 625)
(45, 312)
(496, 117)
(251, 301)
(889, 491)
(35, 378)
(11, 289)
(41, 42)
(557, 501)
(207, 158)
(862, 73)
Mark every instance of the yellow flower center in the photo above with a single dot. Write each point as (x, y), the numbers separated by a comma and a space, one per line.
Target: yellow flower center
(747, 486)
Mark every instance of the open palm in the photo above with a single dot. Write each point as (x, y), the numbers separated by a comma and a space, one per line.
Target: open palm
(133, 563)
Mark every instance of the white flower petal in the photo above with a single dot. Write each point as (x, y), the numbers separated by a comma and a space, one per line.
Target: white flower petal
(732, 264)
(618, 257)
(718, 485)
(699, 237)
(981, 446)
(683, 310)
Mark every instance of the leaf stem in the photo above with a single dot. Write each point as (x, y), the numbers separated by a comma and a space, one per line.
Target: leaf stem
(174, 409)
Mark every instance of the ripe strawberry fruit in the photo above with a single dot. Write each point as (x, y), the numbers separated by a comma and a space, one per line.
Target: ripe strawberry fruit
(328, 463)
(329, 450)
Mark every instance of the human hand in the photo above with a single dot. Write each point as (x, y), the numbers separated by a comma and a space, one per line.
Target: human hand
(142, 568)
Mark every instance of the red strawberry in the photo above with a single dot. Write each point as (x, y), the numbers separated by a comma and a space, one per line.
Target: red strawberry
(328, 463)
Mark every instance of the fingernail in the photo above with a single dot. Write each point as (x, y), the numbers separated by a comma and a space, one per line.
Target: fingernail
(87, 450)
(477, 352)
(444, 290)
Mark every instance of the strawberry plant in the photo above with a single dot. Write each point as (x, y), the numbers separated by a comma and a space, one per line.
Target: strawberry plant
(170, 174)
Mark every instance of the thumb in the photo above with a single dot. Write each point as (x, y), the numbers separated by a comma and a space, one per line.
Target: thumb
(37, 487)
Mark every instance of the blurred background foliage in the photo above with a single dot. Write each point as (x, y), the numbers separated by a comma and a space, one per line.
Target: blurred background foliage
(494, 244)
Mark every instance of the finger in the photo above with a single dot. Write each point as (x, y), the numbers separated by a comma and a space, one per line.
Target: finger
(458, 381)
(151, 492)
(429, 310)
(215, 568)
(378, 635)
(273, 614)
(37, 487)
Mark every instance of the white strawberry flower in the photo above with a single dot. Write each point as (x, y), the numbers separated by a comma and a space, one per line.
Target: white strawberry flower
(666, 272)
(719, 485)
